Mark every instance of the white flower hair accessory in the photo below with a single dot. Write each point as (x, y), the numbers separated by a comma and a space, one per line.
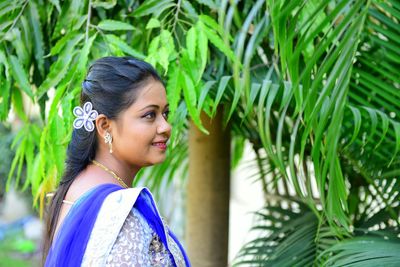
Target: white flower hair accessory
(85, 117)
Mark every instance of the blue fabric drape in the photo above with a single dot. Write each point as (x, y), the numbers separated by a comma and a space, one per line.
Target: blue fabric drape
(70, 243)
(145, 204)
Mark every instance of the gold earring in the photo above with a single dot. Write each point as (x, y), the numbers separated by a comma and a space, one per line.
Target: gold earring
(108, 140)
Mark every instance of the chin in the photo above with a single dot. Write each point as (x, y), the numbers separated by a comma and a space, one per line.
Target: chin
(160, 161)
(155, 161)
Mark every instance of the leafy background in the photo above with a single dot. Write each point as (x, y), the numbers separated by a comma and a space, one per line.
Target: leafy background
(312, 85)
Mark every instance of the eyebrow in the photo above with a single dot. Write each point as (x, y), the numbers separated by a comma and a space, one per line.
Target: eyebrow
(153, 106)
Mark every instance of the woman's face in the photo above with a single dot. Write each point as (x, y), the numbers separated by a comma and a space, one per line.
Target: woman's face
(142, 130)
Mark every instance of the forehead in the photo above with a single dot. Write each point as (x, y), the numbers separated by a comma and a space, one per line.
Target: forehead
(152, 93)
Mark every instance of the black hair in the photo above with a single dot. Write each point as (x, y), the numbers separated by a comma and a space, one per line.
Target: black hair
(111, 85)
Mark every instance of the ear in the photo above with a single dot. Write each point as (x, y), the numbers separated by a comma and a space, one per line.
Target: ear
(103, 125)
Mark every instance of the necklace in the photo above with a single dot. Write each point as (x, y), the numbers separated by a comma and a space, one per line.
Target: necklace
(120, 181)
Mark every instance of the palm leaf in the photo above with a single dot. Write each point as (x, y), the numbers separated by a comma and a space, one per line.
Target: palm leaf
(364, 251)
(285, 237)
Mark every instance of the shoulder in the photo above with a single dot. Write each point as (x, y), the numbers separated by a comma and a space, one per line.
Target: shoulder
(84, 182)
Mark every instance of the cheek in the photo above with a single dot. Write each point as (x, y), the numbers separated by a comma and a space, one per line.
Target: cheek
(136, 137)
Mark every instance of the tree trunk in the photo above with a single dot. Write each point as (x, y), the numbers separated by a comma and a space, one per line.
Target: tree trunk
(208, 193)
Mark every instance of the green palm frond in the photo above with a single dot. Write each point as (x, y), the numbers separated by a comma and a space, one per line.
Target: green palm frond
(289, 234)
(374, 88)
(285, 237)
(364, 251)
(330, 121)
(308, 116)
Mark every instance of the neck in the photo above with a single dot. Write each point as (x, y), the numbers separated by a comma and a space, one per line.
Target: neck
(126, 172)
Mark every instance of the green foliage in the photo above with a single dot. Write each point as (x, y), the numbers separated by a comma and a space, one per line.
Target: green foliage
(326, 121)
(6, 137)
(45, 51)
(16, 250)
(364, 251)
(312, 85)
(285, 237)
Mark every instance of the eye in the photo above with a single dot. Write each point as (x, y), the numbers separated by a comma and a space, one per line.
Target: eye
(150, 115)
(165, 114)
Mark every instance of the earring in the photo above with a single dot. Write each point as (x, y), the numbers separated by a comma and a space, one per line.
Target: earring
(108, 140)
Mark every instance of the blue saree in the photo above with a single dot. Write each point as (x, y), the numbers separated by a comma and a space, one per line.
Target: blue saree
(71, 241)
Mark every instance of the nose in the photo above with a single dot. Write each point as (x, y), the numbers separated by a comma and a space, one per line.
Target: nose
(164, 127)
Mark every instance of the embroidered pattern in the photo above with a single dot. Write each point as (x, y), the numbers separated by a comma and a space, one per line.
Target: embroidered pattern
(115, 209)
(124, 237)
(138, 245)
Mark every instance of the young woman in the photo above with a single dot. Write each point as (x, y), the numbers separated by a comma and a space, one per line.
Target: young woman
(95, 219)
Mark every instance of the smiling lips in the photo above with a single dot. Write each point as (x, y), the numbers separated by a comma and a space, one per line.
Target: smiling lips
(161, 145)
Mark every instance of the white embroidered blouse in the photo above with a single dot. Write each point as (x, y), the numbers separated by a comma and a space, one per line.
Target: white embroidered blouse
(121, 236)
(137, 245)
